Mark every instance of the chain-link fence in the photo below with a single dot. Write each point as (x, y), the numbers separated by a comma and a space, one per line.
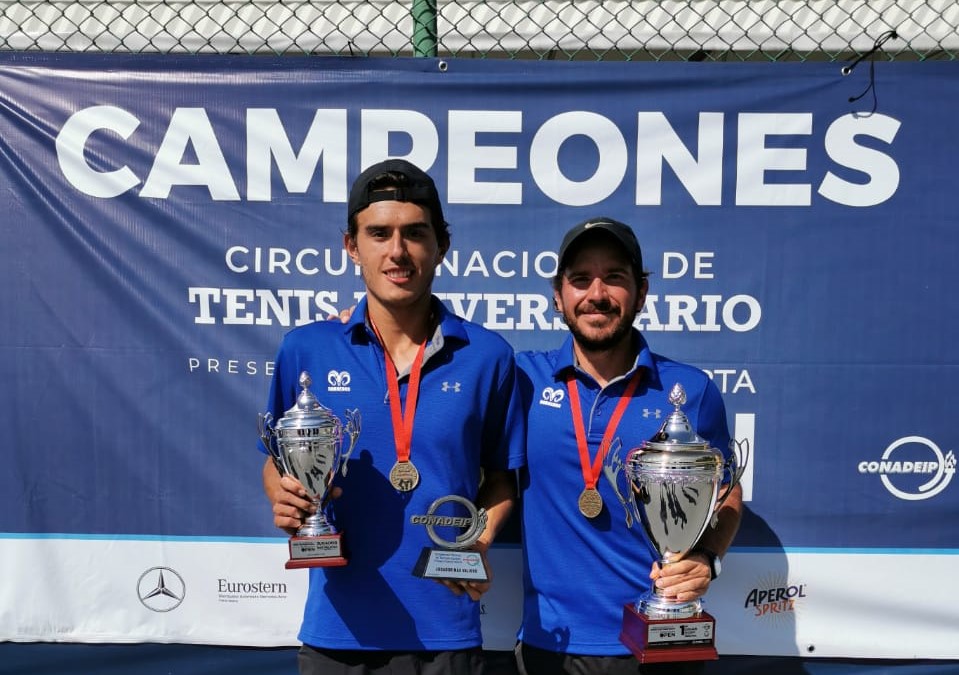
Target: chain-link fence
(540, 29)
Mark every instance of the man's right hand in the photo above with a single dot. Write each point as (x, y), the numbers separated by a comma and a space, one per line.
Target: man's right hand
(291, 505)
(343, 316)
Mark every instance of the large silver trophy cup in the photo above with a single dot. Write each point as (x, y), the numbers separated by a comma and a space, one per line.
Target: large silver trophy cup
(674, 482)
(307, 443)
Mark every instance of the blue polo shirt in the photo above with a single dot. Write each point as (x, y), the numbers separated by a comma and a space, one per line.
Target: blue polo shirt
(468, 416)
(579, 572)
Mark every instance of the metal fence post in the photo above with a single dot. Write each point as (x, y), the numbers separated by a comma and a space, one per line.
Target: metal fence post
(424, 27)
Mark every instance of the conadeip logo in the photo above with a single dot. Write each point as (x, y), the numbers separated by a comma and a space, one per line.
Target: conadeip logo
(912, 468)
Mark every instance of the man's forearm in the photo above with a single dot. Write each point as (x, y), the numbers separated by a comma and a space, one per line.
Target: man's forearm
(497, 495)
(718, 539)
(271, 480)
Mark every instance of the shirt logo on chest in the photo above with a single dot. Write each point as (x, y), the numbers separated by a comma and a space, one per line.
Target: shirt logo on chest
(338, 380)
(452, 386)
(552, 397)
(657, 413)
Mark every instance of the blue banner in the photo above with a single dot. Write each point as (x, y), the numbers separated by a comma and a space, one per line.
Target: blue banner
(167, 219)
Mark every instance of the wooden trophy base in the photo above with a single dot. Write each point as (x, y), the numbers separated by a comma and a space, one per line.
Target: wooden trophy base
(664, 640)
(325, 550)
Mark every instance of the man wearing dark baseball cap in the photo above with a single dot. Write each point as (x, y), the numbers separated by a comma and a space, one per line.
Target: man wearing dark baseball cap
(439, 409)
(621, 232)
(582, 562)
(396, 180)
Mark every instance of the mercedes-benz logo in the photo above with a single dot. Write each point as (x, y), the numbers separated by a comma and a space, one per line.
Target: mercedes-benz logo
(161, 589)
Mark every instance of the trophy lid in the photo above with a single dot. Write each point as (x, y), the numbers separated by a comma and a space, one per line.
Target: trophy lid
(307, 412)
(677, 433)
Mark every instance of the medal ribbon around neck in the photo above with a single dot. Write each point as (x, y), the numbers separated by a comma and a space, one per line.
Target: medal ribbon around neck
(590, 503)
(404, 475)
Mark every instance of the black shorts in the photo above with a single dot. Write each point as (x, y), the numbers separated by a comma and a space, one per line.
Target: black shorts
(535, 661)
(314, 661)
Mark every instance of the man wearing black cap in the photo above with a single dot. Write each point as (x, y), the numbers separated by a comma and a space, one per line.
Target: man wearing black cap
(439, 412)
(581, 561)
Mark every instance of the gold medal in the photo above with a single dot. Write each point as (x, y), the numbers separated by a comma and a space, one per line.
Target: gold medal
(404, 476)
(590, 503)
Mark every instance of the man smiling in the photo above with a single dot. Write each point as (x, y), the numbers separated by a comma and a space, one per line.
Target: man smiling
(581, 562)
(422, 439)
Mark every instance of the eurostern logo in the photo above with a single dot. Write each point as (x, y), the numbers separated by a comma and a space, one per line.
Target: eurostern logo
(250, 590)
(912, 468)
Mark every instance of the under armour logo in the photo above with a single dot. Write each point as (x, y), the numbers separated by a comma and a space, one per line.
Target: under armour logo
(652, 413)
(552, 397)
(455, 387)
(339, 380)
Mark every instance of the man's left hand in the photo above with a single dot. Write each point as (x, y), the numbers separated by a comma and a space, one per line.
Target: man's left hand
(685, 580)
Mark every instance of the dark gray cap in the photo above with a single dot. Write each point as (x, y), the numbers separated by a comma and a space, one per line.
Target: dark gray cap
(417, 187)
(622, 232)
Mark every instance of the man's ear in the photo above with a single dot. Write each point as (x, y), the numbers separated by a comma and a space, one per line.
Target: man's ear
(641, 294)
(349, 243)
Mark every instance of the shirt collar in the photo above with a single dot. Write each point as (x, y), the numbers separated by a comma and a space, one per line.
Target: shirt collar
(448, 326)
(566, 359)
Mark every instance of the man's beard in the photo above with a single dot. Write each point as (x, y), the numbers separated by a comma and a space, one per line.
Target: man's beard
(622, 331)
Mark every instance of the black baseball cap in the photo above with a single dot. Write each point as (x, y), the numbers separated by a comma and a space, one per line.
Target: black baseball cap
(416, 186)
(622, 232)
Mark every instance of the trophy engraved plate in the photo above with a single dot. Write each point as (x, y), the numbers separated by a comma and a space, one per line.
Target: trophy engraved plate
(590, 503)
(307, 443)
(404, 476)
(666, 640)
(452, 560)
(674, 482)
(681, 632)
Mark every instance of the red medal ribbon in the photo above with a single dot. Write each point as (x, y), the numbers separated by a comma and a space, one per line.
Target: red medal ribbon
(402, 420)
(591, 473)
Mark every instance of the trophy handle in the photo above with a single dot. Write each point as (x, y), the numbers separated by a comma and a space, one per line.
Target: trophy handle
(353, 431)
(735, 466)
(612, 467)
(264, 425)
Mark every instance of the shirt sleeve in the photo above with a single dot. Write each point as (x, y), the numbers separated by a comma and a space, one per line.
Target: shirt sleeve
(504, 428)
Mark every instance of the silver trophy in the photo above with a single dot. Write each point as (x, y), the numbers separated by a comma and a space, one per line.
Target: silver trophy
(307, 443)
(674, 481)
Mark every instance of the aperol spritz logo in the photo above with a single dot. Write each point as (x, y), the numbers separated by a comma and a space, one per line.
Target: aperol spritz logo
(775, 598)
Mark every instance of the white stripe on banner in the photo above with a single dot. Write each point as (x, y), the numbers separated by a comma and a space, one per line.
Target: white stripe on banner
(124, 590)
(878, 605)
(195, 592)
(804, 603)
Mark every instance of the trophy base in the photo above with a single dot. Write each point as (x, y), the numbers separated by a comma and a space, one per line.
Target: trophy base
(451, 565)
(664, 640)
(325, 550)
